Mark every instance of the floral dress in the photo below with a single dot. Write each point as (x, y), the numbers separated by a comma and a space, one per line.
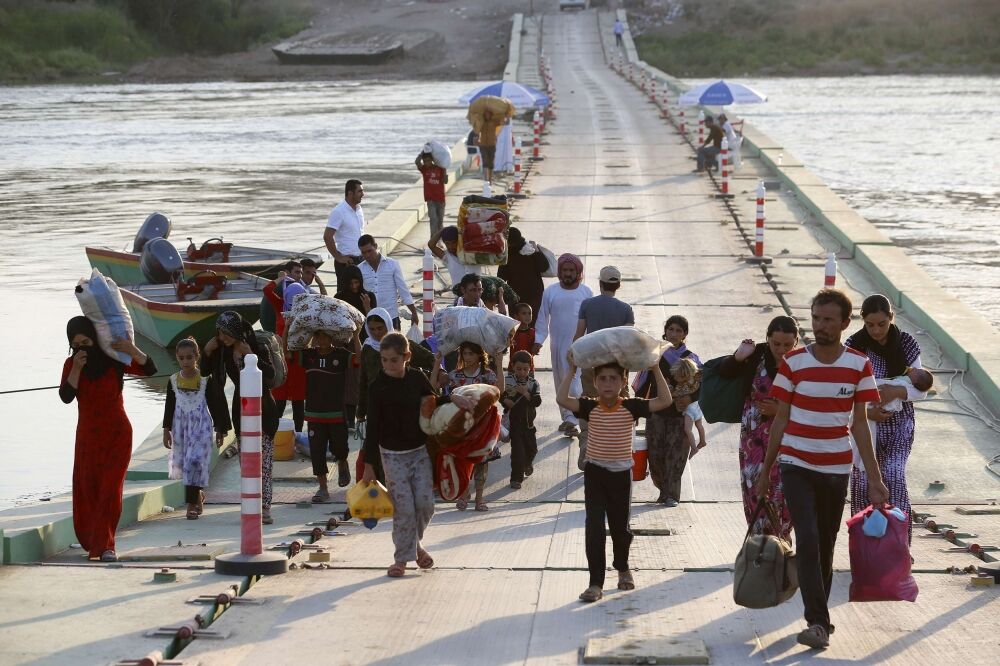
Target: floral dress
(192, 431)
(755, 431)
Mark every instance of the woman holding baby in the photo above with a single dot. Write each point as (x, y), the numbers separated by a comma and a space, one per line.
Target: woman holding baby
(895, 359)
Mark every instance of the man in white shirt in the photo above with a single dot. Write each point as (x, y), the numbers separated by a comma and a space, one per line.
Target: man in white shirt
(384, 277)
(557, 319)
(343, 230)
(456, 269)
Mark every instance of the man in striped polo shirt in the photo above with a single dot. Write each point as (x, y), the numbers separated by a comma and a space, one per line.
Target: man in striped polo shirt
(823, 391)
(607, 473)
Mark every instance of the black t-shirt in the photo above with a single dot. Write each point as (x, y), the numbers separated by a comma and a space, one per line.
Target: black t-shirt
(326, 379)
(394, 412)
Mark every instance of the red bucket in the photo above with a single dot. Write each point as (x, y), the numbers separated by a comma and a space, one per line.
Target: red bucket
(640, 460)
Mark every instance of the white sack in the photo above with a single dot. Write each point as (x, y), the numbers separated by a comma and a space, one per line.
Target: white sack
(457, 324)
(103, 305)
(440, 152)
(629, 347)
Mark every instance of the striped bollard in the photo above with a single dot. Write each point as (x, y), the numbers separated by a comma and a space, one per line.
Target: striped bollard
(680, 127)
(428, 293)
(666, 105)
(517, 166)
(701, 128)
(830, 272)
(725, 167)
(536, 147)
(652, 91)
(759, 246)
(251, 560)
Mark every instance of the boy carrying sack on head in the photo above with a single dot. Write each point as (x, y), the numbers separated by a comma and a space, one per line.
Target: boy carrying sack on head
(607, 472)
(520, 399)
(326, 369)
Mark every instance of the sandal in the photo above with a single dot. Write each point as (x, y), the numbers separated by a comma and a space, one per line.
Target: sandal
(625, 580)
(591, 594)
(109, 556)
(815, 636)
(462, 504)
(424, 559)
(321, 497)
(481, 506)
(192, 512)
(397, 570)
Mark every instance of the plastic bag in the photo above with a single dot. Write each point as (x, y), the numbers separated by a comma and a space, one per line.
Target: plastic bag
(415, 334)
(314, 312)
(880, 566)
(103, 305)
(370, 502)
(551, 258)
(629, 347)
(457, 324)
(439, 152)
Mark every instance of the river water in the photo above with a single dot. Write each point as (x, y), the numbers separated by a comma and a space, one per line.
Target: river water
(261, 164)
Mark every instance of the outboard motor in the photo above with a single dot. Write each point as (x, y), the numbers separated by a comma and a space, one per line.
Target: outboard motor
(157, 225)
(160, 262)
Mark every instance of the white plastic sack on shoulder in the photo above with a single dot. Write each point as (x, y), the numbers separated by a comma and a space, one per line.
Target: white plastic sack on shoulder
(457, 324)
(440, 152)
(629, 347)
(314, 312)
(551, 258)
(103, 305)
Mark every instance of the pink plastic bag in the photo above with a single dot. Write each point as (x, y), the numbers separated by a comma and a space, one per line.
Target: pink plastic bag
(880, 567)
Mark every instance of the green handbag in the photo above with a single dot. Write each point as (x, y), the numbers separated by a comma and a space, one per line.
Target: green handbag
(721, 398)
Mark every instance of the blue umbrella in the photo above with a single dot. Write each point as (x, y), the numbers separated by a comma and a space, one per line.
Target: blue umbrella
(721, 93)
(521, 96)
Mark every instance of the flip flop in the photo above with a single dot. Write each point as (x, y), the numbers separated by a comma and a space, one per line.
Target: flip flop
(321, 498)
(424, 559)
(481, 506)
(397, 570)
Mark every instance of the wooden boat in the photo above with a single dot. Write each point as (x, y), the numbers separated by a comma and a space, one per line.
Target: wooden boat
(215, 255)
(167, 313)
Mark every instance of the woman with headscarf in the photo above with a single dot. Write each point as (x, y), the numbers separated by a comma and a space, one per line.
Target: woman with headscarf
(557, 319)
(891, 351)
(224, 359)
(103, 433)
(523, 271)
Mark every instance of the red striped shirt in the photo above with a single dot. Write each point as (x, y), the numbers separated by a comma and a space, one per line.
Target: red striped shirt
(822, 397)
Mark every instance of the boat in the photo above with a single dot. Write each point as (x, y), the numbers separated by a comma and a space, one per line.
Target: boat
(215, 254)
(168, 313)
(171, 304)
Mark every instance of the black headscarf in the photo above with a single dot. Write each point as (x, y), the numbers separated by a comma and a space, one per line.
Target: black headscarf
(232, 324)
(354, 273)
(514, 239)
(97, 361)
(891, 351)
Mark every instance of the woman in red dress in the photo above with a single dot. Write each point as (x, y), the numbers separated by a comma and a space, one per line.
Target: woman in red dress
(103, 433)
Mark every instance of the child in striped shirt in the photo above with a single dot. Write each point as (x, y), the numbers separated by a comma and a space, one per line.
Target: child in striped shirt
(607, 473)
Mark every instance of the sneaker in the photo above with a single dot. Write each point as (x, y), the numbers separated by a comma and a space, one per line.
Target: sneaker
(343, 473)
(670, 502)
(815, 636)
(564, 425)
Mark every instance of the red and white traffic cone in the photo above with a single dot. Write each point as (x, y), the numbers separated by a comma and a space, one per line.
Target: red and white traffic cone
(830, 272)
(428, 293)
(758, 252)
(251, 560)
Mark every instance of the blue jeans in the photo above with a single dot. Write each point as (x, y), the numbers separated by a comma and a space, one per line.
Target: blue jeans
(816, 502)
(706, 153)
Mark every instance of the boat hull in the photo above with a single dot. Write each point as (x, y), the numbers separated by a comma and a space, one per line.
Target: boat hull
(123, 267)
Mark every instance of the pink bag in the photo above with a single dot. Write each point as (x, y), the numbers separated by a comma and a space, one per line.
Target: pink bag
(880, 566)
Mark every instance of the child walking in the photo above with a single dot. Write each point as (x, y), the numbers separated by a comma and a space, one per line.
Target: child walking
(327, 370)
(607, 472)
(194, 407)
(394, 435)
(524, 336)
(521, 398)
(473, 368)
(687, 378)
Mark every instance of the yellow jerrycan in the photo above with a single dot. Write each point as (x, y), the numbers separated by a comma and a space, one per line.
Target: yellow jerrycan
(369, 502)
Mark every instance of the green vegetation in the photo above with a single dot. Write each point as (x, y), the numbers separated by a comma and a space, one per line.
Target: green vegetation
(809, 37)
(46, 41)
